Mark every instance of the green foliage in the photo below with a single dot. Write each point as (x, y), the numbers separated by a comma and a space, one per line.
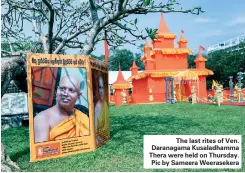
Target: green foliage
(135, 21)
(241, 45)
(123, 57)
(34, 47)
(122, 152)
(101, 57)
(147, 2)
(139, 62)
(140, 47)
(223, 63)
(191, 63)
(227, 63)
(67, 1)
(151, 33)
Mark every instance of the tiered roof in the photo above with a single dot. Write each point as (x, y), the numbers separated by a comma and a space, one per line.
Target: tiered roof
(163, 32)
(120, 83)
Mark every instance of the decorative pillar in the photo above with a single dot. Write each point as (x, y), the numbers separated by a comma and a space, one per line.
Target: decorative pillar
(175, 98)
(172, 90)
(239, 77)
(239, 94)
(124, 100)
(231, 89)
(167, 96)
(218, 91)
(193, 95)
(222, 94)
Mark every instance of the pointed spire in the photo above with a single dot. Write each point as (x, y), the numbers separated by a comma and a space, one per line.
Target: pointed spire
(147, 48)
(182, 41)
(120, 83)
(134, 69)
(199, 54)
(120, 78)
(200, 58)
(182, 35)
(163, 31)
(134, 65)
(148, 57)
(146, 43)
(163, 28)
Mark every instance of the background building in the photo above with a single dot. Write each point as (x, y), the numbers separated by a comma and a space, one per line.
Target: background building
(231, 44)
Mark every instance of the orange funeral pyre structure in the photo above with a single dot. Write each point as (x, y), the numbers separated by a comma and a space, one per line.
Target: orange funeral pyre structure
(166, 77)
(121, 87)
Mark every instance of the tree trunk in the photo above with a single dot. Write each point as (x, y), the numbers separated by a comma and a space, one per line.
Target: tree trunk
(13, 69)
(7, 165)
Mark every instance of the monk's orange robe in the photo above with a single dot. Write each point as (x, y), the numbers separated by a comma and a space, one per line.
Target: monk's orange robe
(104, 121)
(76, 125)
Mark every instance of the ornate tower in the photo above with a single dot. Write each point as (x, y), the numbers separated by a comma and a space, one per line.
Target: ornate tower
(165, 39)
(120, 85)
(182, 42)
(168, 57)
(200, 61)
(134, 69)
(200, 65)
(148, 61)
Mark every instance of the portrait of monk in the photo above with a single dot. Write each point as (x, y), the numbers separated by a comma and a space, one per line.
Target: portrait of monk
(62, 120)
(101, 107)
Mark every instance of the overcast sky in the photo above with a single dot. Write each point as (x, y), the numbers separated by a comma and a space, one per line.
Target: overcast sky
(222, 20)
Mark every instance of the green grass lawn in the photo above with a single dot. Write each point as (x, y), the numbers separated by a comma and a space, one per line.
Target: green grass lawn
(124, 151)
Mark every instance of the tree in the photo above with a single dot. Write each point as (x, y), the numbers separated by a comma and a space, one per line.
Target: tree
(123, 57)
(7, 164)
(8, 48)
(62, 24)
(65, 21)
(15, 66)
(101, 57)
(139, 62)
(225, 63)
(191, 61)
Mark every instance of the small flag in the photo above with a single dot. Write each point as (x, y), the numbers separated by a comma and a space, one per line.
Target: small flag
(201, 48)
(106, 49)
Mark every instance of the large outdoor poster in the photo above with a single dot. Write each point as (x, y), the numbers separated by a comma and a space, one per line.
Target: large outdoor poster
(101, 109)
(61, 105)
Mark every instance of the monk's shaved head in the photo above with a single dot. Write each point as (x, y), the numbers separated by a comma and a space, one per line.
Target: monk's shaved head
(68, 92)
(72, 80)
